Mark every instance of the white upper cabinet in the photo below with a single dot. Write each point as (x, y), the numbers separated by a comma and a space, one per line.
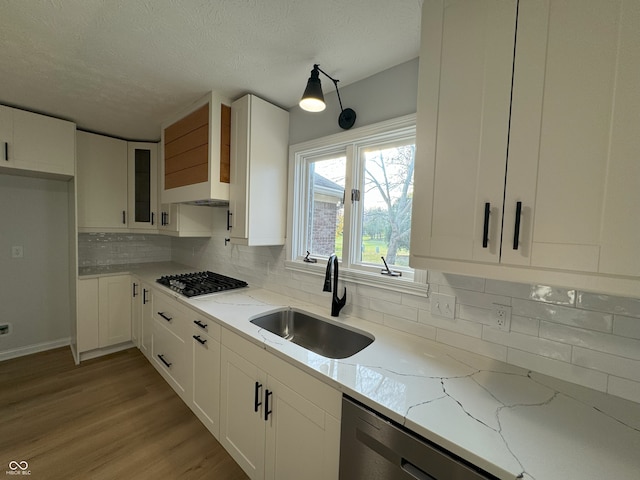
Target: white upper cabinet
(466, 61)
(36, 143)
(548, 138)
(101, 183)
(258, 188)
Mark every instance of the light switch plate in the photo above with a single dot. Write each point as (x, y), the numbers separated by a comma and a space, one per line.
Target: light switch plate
(443, 305)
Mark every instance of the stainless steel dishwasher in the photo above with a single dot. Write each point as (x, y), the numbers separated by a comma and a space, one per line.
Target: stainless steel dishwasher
(375, 448)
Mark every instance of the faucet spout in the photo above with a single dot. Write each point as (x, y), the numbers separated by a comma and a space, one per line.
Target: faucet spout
(336, 302)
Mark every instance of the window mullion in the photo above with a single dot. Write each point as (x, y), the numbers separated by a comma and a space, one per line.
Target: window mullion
(347, 238)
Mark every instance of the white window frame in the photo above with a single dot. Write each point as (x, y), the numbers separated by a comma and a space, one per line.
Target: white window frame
(351, 141)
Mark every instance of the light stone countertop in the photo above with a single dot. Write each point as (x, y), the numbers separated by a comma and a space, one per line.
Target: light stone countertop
(510, 422)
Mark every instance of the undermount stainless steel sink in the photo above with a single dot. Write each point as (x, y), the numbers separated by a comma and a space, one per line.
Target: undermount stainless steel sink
(317, 334)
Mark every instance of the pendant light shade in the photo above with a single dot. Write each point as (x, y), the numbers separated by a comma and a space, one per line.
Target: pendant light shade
(313, 99)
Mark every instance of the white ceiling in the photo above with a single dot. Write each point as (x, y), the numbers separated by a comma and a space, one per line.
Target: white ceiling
(121, 67)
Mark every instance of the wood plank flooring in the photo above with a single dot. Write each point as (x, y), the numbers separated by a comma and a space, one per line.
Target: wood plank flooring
(112, 417)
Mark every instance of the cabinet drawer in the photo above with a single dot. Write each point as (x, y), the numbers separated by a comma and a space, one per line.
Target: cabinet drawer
(167, 312)
(201, 325)
(170, 355)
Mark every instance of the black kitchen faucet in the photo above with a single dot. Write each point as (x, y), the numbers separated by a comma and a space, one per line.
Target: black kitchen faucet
(336, 303)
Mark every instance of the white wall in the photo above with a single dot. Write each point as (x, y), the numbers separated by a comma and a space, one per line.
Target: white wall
(34, 290)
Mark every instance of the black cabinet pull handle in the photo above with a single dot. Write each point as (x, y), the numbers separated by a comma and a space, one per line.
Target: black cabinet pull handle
(256, 397)
(144, 296)
(166, 218)
(200, 340)
(267, 410)
(135, 293)
(6, 151)
(516, 233)
(229, 215)
(200, 324)
(124, 217)
(168, 319)
(168, 364)
(485, 230)
(153, 216)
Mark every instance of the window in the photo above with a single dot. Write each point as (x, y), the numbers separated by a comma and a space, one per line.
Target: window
(352, 195)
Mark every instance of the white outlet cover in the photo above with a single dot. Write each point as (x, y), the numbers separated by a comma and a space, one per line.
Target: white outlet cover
(502, 317)
(443, 305)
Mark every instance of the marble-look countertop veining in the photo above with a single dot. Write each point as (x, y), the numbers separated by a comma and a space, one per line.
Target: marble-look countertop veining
(511, 422)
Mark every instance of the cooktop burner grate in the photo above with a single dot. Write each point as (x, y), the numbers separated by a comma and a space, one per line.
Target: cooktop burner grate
(200, 283)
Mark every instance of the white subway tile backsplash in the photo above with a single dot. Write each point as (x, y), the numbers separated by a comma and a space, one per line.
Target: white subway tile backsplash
(413, 328)
(452, 324)
(602, 342)
(472, 344)
(535, 345)
(621, 387)
(626, 326)
(475, 299)
(526, 325)
(386, 295)
(565, 315)
(556, 368)
(607, 363)
(396, 309)
(456, 281)
(475, 314)
(608, 303)
(416, 301)
(540, 293)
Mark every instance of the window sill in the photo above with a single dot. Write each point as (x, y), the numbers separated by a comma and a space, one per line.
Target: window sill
(396, 284)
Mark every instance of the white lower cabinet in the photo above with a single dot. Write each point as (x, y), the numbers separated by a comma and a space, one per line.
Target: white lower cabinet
(206, 373)
(104, 312)
(267, 425)
(170, 350)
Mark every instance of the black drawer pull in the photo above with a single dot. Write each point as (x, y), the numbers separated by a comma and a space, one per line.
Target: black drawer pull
(256, 397)
(200, 324)
(135, 293)
(153, 217)
(267, 411)
(516, 233)
(200, 340)
(168, 364)
(485, 230)
(124, 217)
(144, 296)
(168, 319)
(6, 151)
(229, 215)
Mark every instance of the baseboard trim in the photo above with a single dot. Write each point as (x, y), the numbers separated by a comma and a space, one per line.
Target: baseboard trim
(99, 352)
(38, 347)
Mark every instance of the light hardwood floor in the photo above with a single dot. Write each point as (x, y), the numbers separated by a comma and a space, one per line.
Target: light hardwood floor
(109, 418)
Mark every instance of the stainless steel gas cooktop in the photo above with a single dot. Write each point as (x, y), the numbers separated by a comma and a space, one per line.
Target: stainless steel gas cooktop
(200, 283)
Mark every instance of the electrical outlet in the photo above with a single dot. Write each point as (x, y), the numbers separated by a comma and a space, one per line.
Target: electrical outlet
(443, 305)
(17, 251)
(502, 317)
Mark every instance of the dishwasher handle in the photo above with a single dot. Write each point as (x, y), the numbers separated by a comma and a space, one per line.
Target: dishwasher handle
(414, 471)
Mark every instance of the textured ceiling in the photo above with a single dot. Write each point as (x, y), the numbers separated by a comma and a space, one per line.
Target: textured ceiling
(121, 67)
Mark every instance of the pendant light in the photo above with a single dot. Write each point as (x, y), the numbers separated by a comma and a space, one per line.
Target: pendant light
(313, 99)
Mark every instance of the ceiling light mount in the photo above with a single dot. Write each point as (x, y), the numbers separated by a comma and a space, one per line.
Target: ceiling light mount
(313, 99)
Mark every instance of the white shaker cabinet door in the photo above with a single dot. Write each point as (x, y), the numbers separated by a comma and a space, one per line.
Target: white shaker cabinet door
(574, 142)
(463, 122)
(101, 183)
